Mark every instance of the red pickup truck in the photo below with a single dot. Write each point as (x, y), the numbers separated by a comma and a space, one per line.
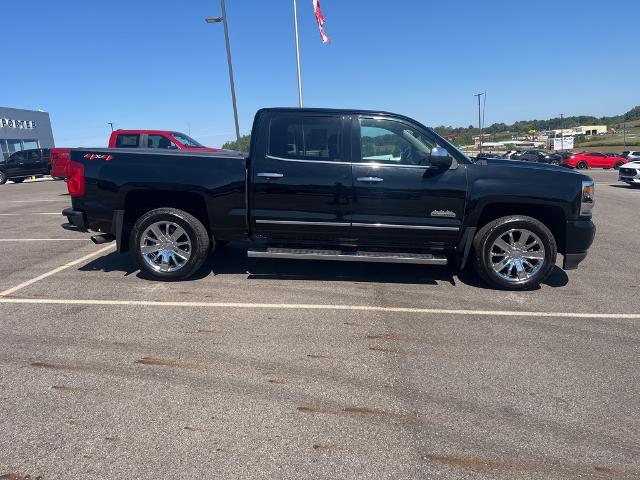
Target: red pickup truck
(163, 139)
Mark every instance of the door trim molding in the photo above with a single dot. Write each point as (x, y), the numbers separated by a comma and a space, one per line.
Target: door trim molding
(298, 222)
(408, 227)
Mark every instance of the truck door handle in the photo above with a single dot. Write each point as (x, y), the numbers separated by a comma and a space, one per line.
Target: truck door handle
(270, 175)
(370, 179)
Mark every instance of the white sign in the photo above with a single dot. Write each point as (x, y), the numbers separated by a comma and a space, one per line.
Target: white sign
(565, 143)
(20, 124)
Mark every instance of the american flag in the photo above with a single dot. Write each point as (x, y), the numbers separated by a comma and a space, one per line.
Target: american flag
(320, 19)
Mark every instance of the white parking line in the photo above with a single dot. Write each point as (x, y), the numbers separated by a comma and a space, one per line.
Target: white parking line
(40, 200)
(56, 270)
(22, 214)
(289, 306)
(44, 239)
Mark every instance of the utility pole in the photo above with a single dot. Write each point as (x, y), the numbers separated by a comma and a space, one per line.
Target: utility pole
(479, 119)
(295, 26)
(223, 19)
(562, 131)
(624, 131)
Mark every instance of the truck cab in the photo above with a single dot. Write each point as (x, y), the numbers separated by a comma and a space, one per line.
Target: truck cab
(160, 139)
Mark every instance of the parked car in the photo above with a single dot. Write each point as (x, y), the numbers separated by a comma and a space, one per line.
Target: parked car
(630, 173)
(59, 161)
(161, 139)
(509, 153)
(25, 163)
(631, 156)
(530, 156)
(399, 193)
(594, 160)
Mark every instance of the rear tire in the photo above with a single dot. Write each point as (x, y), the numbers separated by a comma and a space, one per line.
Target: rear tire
(3, 178)
(521, 270)
(581, 165)
(618, 165)
(18, 180)
(169, 244)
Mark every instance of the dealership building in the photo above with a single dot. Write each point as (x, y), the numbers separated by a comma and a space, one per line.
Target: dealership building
(24, 129)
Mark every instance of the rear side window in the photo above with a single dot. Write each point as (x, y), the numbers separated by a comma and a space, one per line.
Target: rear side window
(34, 155)
(128, 141)
(306, 138)
(160, 141)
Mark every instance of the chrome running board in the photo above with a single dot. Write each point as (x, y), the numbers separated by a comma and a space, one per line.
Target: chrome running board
(338, 255)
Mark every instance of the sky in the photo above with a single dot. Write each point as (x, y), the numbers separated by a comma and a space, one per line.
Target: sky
(156, 64)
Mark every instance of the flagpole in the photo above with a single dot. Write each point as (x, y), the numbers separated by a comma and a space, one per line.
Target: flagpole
(295, 24)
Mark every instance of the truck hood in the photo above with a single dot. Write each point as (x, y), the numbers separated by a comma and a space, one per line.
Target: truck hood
(498, 162)
(632, 165)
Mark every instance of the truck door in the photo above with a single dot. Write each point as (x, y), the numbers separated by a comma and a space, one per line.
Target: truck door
(399, 198)
(301, 182)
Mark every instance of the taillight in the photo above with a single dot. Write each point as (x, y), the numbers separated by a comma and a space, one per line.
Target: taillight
(75, 179)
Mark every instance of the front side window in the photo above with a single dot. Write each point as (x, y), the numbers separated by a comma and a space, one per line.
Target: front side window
(393, 143)
(186, 140)
(160, 141)
(306, 138)
(128, 141)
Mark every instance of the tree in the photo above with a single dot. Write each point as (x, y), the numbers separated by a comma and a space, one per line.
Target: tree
(242, 146)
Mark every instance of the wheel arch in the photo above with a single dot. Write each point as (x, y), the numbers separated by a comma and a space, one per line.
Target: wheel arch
(552, 216)
(140, 201)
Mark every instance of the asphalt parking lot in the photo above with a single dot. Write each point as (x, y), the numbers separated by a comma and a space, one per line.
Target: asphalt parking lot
(283, 369)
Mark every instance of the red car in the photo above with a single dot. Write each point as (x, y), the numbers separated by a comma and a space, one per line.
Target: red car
(594, 160)
(156, 139)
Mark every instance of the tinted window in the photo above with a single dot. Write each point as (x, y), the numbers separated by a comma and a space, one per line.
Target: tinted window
(18, 157)
(307, 138)
(159, 141)
(186, 140)
(34, 155)
(386, 141)
(127, 141)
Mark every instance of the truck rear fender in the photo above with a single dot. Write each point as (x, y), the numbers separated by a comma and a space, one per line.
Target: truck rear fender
(140, 201)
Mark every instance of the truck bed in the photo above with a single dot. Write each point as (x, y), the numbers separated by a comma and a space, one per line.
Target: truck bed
(119, 180)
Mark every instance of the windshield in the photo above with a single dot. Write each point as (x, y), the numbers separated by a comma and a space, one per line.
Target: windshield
(186, 140)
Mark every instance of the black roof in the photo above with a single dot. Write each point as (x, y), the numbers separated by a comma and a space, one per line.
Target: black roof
(336, 111)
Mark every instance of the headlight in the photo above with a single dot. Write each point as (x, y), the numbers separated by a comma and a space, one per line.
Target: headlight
(588, 197)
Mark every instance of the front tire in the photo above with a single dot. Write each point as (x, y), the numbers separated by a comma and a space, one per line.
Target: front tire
(169, 244)
(514, 253)
(3, 178)
(581, 165)
(18, 180)
(618, 165)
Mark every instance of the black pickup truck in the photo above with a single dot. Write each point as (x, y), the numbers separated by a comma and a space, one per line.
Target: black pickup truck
(348, 185)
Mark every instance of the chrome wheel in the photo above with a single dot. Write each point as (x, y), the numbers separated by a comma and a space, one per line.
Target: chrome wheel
(517, 255)
(165, 246)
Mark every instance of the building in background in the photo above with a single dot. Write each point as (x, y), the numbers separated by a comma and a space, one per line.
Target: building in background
(24, 129)
(582, 130)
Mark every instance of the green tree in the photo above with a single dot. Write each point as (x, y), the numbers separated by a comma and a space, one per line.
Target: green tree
(242, 146)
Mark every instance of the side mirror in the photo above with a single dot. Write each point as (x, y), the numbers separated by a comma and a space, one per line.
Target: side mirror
(440, 158)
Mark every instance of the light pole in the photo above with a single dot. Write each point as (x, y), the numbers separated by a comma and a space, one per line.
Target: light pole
(479, 118)
(562, 131)
(110, 123)
(624, 131)
(223, 19)
(295, 26)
